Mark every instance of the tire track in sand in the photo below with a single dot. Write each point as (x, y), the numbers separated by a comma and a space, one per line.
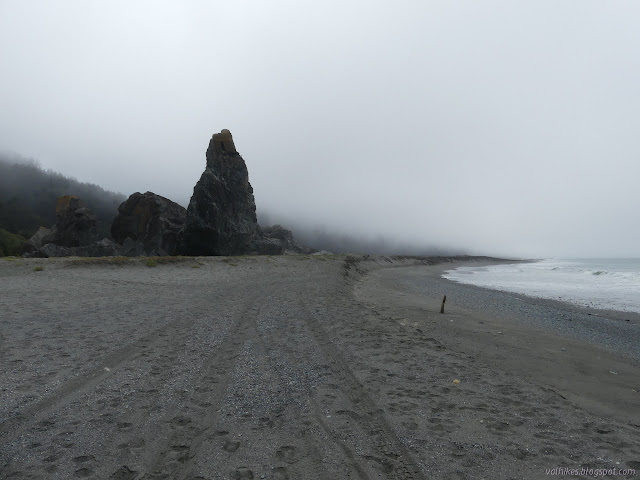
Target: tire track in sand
(173, 456)
(388, 455)
(74, 388)
(291, 353)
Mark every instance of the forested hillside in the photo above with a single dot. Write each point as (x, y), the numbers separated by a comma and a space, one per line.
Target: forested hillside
(28, 197)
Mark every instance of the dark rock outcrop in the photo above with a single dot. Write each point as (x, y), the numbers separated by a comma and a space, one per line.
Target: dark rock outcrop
(277, 240)
(43, 236)
(266, 246)
(221, 217)
(131, 248)
(73, 234)
(52, 250)
(151, 221)
(75, 225)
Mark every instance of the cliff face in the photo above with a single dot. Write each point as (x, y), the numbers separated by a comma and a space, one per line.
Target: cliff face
(221, 217)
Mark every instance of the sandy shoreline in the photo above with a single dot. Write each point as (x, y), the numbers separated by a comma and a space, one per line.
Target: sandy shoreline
(302, 367)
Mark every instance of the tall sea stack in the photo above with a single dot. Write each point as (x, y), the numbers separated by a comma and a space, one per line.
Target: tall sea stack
(221, 217)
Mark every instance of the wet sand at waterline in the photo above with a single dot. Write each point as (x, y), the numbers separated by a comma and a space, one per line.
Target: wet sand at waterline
(302, 367)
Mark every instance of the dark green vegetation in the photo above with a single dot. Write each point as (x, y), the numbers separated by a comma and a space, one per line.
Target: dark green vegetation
(10, 243)
(151, 262)
(28, 197)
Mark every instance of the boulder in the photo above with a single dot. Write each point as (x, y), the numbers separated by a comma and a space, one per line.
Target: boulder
(221, 217)
(151, 221)
(43, 236)
(52, 250)
(131, 248)
(278, 235)
(267, 246)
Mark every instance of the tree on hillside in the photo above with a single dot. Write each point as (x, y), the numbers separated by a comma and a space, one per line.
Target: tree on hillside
(28, 196)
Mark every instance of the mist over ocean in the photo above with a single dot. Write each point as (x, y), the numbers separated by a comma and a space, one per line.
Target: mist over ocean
(602, 283)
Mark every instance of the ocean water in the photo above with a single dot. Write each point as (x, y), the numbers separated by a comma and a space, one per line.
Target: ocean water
(611, 283)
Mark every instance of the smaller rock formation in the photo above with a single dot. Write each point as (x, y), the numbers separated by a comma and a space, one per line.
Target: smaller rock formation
(148, 224)
(266, 246)
(221, 217)
(277, 240)
(75, 225)
(73, 234)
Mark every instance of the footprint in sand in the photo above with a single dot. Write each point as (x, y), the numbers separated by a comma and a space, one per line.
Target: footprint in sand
(280, 473)
(266, 422)
(83, 473)
(180, 421)
(413, 426)
(84, 458)
(124, 473)
(180, 453)
(287, 453)
(381, 464)
(499, 426)
(243, 473)
(44, 425)
(231, 446)
(521, 453)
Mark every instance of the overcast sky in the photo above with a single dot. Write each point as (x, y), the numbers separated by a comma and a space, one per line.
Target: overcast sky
(501, 127)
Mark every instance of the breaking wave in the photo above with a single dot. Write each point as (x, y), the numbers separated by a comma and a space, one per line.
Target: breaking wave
(596, 283)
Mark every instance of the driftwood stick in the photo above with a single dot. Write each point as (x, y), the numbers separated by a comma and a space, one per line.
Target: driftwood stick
(442, 306)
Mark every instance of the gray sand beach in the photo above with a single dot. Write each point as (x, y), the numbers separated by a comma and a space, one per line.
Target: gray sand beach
(304, 367)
